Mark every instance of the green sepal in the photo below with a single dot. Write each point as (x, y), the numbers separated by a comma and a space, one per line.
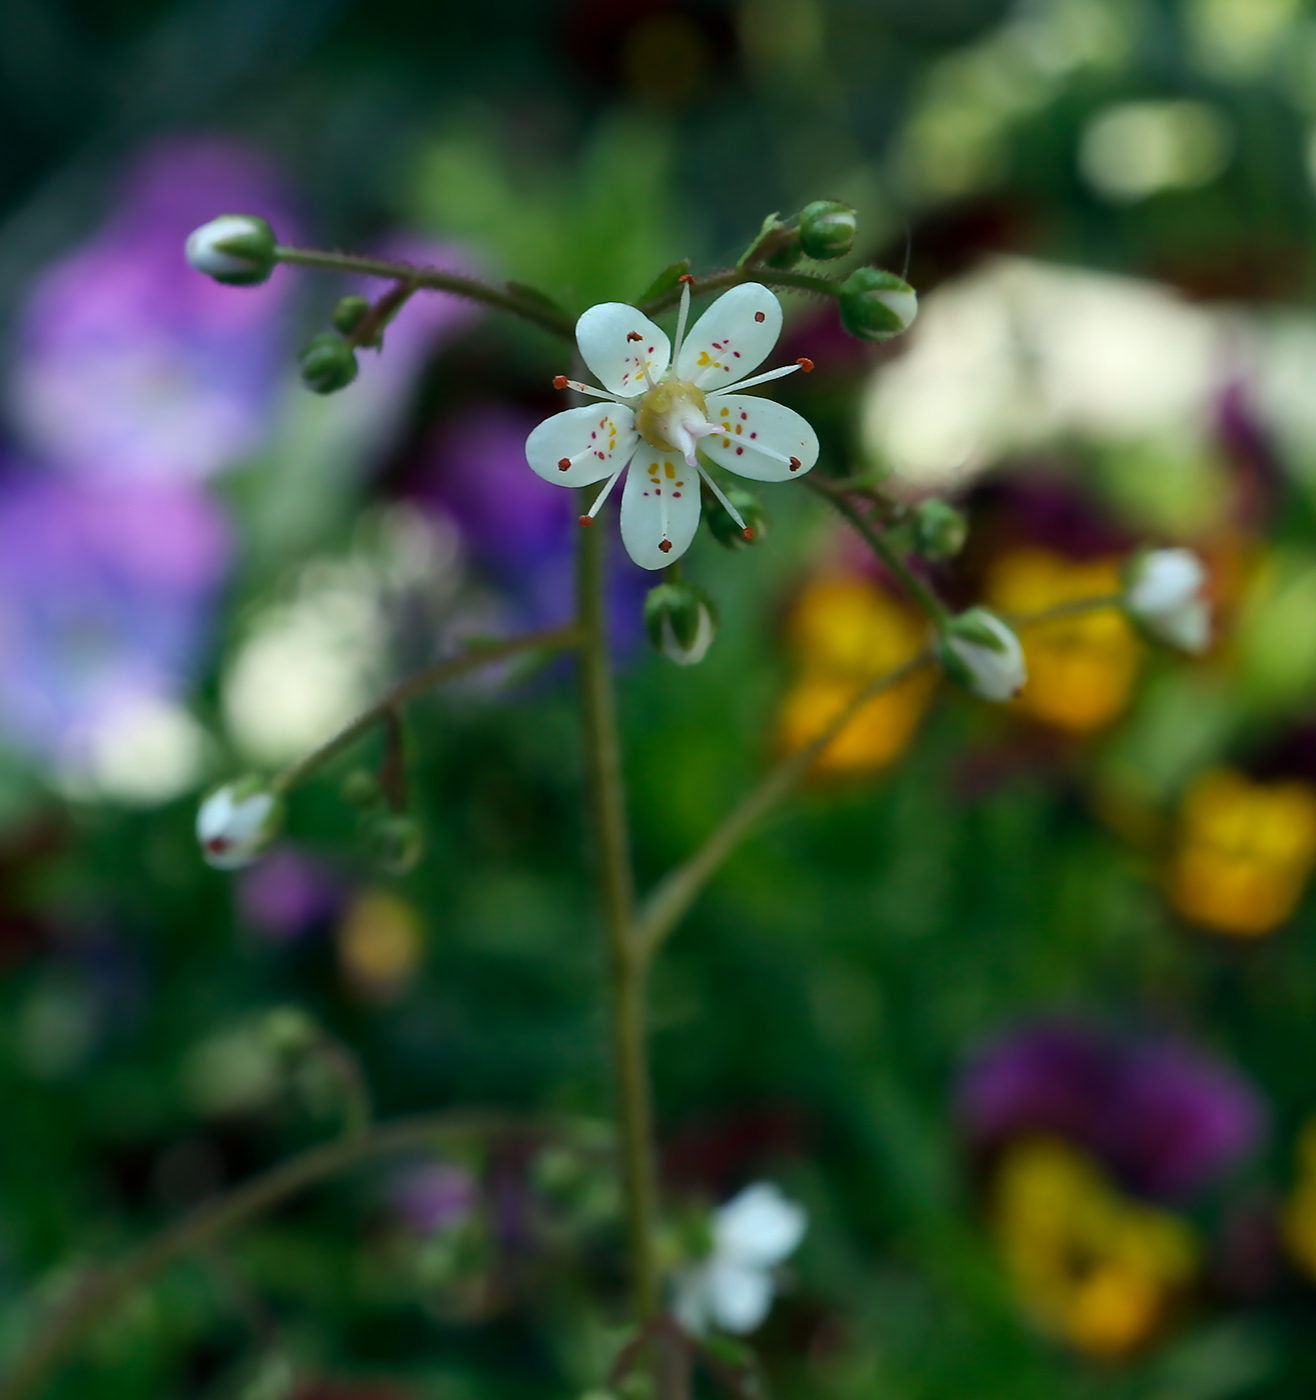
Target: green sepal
(827, 229)
(257, 247)
(679, 603)
(328, 363)
(863, 313)
(349, 312)
(666, 280)
(971, 626)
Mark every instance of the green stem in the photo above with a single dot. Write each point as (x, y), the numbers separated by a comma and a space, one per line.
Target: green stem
(626, 967)
(881, 546)
(551, 639)
(107, 1290)
(1059, 612)
(434, 280)
(734, 276)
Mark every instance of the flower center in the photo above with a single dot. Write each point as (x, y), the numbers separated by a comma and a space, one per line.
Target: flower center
(672, 416)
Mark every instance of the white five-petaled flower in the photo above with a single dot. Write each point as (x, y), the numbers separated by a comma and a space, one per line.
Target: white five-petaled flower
(237, 822)
(732, 1288)
(1165, 593)
(663, 404)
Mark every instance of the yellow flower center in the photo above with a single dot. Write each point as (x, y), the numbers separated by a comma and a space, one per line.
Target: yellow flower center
(668, 407)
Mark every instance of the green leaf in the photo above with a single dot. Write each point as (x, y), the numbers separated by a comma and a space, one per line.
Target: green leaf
(666, 280)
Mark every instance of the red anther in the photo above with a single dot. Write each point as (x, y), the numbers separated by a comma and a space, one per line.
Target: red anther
(560, 381)
(587, 520)
(759, 316)
(665, 546)
(805, 364)
(795, 464)
(634, 335)
(689, 282)
(564, 464)
(747, 533)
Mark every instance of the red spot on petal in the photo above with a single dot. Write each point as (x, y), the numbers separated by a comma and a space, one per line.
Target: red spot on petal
(805, 363)
(759, 316)
(665, 546)
(740, 451)
(745, 416)
(217, 845)
(676, 495)
(560, 381)
(736, 353)
(753, 435)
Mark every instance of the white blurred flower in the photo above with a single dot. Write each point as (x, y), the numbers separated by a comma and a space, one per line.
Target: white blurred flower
(237, 822)
(733, 1288)
(979, 652)
(1164, 593)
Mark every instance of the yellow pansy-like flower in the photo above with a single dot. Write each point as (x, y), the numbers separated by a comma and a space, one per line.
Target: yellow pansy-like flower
(380, 944)
(1244, 853)
(1089, 1264)
(844, 630)
(1080, 669)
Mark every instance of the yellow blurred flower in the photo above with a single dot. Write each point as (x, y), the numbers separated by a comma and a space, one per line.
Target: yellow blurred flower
(1089, 1264)
(1298, 1218)
(1081, 669)
(844, 630)
(380, 944)
(1244, 852)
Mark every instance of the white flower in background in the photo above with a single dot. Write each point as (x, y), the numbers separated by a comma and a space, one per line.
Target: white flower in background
(979, 652)
(666, 403)
(732, 1288)
(237, 822)
(1164, 593)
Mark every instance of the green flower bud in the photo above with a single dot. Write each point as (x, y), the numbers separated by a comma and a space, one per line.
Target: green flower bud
(349, 312)
(238, 821)
(236, 249)
(827, 229)
(983, 656)
(361, 789)
(681, 621)
(290, 1032)
(328, 364)
(939, 529)
(724, 526)
(876, 305)
(396, 842)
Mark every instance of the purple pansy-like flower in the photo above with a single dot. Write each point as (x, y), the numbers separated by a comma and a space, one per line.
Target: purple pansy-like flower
(106, 595)
(288, 894)
(130, 366)
(1164, 1116)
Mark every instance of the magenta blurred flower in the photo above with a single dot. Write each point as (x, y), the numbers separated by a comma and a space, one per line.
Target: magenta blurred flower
(1165, 1117)
(288, 894)
(106, 597)
(133, 367)
(433, 1196)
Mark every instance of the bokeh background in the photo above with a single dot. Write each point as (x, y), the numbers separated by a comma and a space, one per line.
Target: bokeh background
(1019, 1003)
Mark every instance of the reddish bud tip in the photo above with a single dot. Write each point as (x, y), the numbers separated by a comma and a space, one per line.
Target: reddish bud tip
(686, 279)
(747, 533)
(560, 381)
(805, 364)
(665, 546)
(564, 464)
(587, 520)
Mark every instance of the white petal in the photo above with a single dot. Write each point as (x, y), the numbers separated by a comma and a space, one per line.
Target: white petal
(604, 335)
(660, 503)
(759, 438)
(730, 340)
(758, 1227)
(595, 440)
(737, 1297)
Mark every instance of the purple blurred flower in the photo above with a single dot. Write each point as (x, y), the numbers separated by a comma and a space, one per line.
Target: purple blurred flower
(433, 1196)
(106, 594)
(287, 894)
(133, 367)
(1163, 1116)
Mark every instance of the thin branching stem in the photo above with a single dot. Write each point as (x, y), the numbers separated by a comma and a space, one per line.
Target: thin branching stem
(478, 657)
(728, 277)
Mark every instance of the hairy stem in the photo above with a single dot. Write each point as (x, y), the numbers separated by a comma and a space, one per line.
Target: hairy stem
(626, 968)
(541, 313)
(881, 546)
(108, 1289)
(734, 276)
(551, 639)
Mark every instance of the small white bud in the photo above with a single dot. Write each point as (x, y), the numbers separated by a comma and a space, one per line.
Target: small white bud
(237, 249)
(237, 822)
(705, 630)
(981, 654)
(1164, 594)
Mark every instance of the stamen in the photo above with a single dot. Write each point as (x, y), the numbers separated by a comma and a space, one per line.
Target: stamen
(726, 504)
(587, 520)
(603, 495)
(686, 280)
(564, 464)
(562, 382)
(756, 379)
(805, 363)
(665, 545)
(634, 335)
(681, 317)
(747, 533)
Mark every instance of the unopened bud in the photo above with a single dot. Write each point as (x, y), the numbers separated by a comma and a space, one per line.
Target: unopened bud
(290, 1032)
(328, 364)
(1164, 593)
(726, 529)
(981, 654)
(827, 229)
(349, 312)
(396, 842)
(237, 822)
(361, 789)
(681, 621)
(939, 529)
(236, 249)
(876, 305)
